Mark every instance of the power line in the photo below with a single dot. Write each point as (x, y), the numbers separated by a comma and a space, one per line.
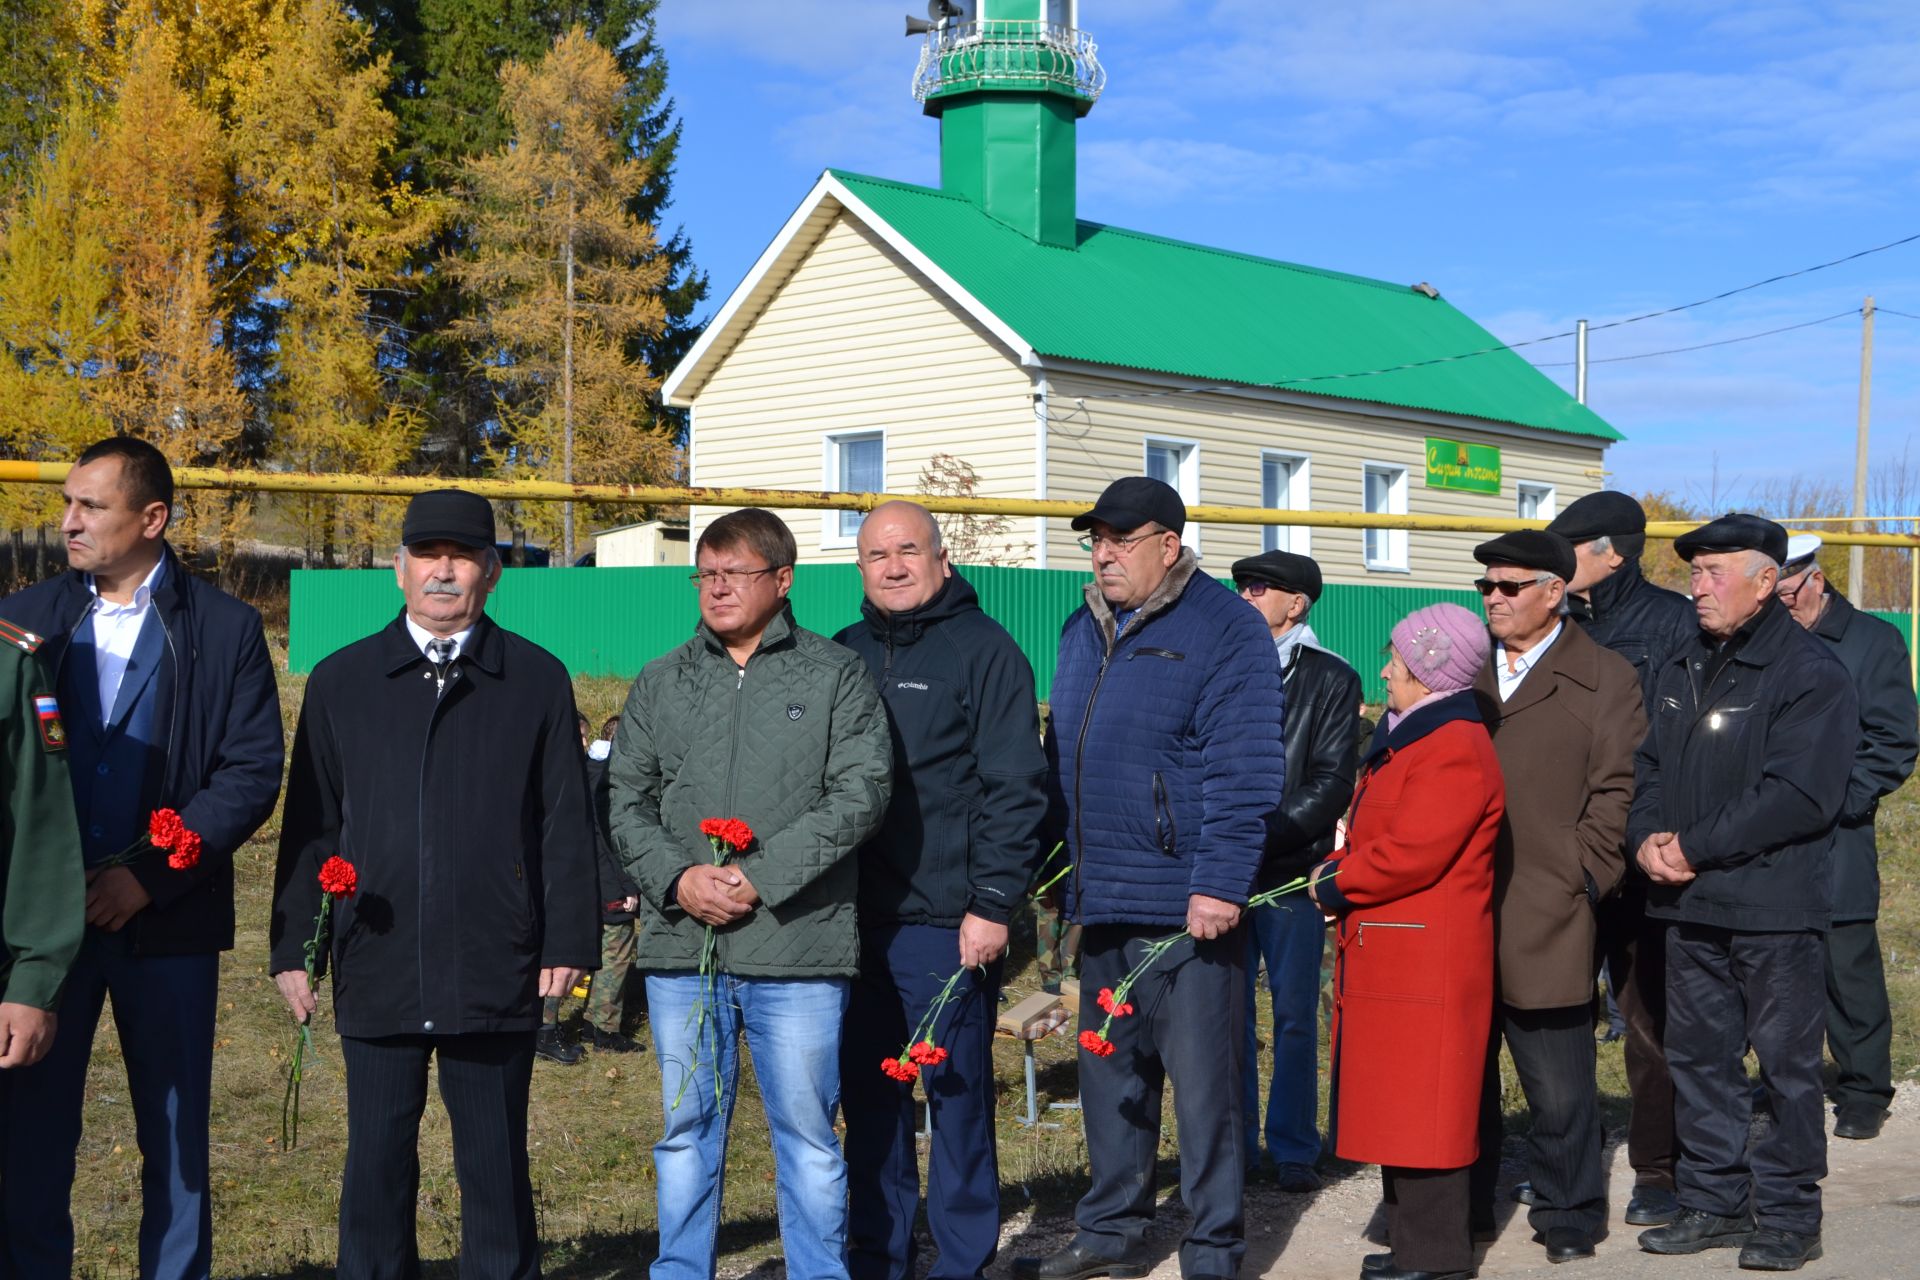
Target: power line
(1889, 311)
(1528, 342)
(1702, 346)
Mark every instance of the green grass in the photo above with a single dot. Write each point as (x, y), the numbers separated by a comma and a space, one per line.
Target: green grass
(592, 1125)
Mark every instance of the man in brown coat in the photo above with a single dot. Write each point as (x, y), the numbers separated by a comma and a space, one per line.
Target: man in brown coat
(1566, 716)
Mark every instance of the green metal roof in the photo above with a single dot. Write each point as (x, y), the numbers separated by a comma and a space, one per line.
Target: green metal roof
(1140, 301)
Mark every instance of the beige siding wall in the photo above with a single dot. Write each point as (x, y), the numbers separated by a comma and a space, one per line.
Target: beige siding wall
(857, 341)
(1087, 446)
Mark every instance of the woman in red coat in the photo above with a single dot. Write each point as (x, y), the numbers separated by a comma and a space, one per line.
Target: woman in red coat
(1412, 892)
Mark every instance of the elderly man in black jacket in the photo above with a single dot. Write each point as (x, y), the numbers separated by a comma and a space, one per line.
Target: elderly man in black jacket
(1620, 610)
(439, 756)
(1859, 1022)
(1289, 937)
(938, 884)
(168, 696)
(1739, 782)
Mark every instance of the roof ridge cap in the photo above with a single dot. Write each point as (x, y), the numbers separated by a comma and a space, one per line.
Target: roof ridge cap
(1243, 255)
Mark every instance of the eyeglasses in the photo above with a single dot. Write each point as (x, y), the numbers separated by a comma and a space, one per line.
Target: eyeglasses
(1487, 586)
(1790, 593)
(1258, 589)
(1094, 542)
(707, 579)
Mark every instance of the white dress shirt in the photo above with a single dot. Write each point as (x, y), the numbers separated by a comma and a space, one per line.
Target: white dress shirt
(1510, 678)
(116, 629)
(421, 635)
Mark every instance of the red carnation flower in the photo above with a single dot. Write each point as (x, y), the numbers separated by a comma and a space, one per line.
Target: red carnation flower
(1107, 1004)
(338, 877)
(728, 831)
(927, 1054)
(897, 1070)
(186, 851)
(1096, 1044)
(164, 828)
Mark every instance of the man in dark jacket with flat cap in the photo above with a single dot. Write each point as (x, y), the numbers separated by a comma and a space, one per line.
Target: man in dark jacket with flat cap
(1859, 1021)
(1620, 610)
(1565, 716)
(1740, 782)
(1289, 937)
(441, 757)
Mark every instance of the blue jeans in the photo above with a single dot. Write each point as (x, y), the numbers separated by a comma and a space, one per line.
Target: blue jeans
(1288, 937)
(163, 1008)
(793, 1031)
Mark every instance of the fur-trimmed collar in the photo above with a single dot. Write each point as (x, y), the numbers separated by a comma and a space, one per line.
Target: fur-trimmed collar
(1160, 601)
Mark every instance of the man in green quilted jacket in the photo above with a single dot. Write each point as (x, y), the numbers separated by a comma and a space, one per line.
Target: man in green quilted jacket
(755, 720)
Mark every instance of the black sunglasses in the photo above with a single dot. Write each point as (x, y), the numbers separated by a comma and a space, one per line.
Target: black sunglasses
(1487, 586)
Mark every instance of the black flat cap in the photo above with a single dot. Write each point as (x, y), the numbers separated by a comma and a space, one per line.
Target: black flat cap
(1281, 569)
(1606, 514)
(1132, 501)
(448, 515)
(1530, 549)
(1735, 531)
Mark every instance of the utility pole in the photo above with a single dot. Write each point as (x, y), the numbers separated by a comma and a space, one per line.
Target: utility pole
(1580, 362)
(1856, 556)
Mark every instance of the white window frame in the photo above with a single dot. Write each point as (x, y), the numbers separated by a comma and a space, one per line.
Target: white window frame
(1393, 542)
(1296, 538)
(1548, 494)
(833, 530)
(1187, 476)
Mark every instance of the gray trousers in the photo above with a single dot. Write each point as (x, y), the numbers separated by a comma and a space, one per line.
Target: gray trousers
(1186, 1025)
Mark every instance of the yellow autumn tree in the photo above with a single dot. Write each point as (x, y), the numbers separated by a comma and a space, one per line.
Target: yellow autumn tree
(311, 137)
(569, 279)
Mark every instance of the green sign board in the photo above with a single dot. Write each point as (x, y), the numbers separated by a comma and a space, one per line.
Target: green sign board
(1454, 465)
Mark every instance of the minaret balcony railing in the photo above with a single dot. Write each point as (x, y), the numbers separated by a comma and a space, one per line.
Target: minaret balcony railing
(1009, 53)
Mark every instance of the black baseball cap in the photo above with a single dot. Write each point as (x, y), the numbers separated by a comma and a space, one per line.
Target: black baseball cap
(1606, 514)
(1281, 569)
(448, 515)
(1132, 501)
(1735, 531)
(1530, 549)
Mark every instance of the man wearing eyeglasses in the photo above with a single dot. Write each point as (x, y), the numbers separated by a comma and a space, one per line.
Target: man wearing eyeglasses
(1859, 1022)
(1565, 716)
(1322, 720)
(1167, 759)
(757, 719)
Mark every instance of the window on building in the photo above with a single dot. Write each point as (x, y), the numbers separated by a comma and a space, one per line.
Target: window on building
(1535, 502)
(1283, 487)
(1386, 495)
(856, 463)
(1177, 462)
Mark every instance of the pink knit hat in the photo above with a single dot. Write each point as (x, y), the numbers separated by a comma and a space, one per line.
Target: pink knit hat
(1443, 645)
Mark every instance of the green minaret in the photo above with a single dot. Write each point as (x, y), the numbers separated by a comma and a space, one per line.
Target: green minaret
(1008, 80)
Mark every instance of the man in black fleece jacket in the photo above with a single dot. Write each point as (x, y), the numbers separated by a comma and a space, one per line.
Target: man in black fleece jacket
(938, 884)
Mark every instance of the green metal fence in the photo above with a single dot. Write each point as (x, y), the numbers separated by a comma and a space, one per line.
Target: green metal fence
(611, 622)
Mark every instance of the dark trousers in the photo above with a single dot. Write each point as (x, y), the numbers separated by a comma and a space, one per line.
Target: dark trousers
(484, 1079)
(1185, 1025)
(1553, 1055)
(163, 1009)
(902, 969)
(1859, 1023)
(1725, 991)
(1427, 1218)
(1635, 948)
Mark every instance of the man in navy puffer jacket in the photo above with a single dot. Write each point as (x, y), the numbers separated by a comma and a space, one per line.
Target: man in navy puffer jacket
(1166, 759)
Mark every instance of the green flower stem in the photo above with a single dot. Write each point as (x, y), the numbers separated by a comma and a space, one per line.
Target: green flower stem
(290, 1103)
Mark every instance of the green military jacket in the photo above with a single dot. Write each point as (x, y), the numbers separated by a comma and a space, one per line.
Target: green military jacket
(797, 745)
(43, 910)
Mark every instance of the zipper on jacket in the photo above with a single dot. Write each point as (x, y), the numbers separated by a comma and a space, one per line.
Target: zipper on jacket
(1079, 763)
(1165, 834)
(1361, 927)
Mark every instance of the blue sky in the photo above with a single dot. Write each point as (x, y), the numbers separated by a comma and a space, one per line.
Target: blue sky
(1537, 160)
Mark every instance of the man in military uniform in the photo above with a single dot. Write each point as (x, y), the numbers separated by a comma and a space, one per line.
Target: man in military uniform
(43, 895)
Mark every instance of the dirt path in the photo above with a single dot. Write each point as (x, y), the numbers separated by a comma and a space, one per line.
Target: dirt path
(1872, 1230)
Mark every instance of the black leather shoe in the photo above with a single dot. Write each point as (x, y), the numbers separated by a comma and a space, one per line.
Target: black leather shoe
(612, 1041)
(1373, 1262)
(1389, 1271)
(1566, 1244)
(1692, 1231)
(1858, 1122)
(1077, 1262)
(1652, 1207)
(1296, 1179)
(1772, 1249)
(1523, 1192)
(548, 1044)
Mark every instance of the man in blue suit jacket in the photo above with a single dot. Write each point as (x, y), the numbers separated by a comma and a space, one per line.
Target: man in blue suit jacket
(169, 696)
(1167, 758)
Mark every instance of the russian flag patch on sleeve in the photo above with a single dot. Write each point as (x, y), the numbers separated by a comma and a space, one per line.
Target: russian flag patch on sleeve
(53, 734)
